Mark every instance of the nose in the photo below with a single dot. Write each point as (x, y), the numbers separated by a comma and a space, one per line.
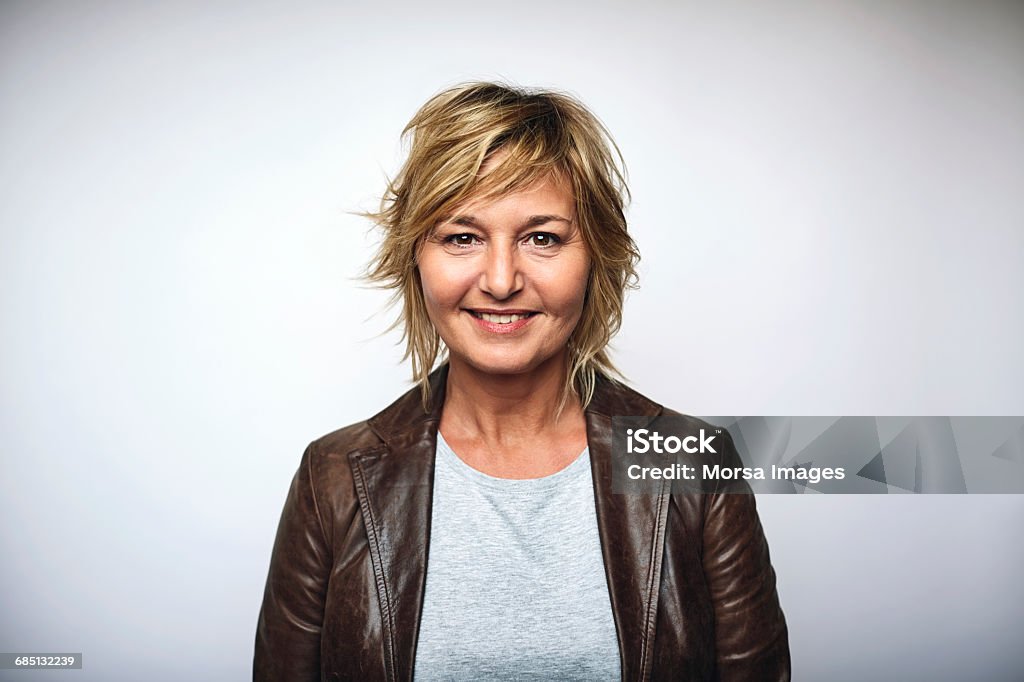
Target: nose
(501, 276)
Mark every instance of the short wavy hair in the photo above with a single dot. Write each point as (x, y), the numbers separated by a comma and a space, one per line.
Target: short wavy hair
(542, 132)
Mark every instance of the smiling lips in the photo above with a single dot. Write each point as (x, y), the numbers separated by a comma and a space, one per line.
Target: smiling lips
(502, 322)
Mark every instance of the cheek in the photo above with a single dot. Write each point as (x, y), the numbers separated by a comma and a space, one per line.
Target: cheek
(570, 287)
(443, 285)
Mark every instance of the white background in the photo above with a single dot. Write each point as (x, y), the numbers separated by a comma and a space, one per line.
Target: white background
(827, 197)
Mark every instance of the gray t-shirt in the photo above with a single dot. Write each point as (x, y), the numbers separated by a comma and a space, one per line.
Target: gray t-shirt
(515, 586)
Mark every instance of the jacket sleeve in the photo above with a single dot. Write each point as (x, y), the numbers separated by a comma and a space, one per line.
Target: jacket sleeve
(751, 637)
(288, 630)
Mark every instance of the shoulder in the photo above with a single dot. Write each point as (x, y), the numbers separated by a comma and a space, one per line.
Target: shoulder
(615, 399)
(326, 468)
(691, 422)
(345, 440)
(328, 457)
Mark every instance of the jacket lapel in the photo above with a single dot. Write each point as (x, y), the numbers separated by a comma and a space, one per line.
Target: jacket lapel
(394, 484)
(632, 530)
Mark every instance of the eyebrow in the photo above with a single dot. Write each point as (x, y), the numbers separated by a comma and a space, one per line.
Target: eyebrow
(532, 221)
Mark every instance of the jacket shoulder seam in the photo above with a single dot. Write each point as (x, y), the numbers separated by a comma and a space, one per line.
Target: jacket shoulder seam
(313, 494)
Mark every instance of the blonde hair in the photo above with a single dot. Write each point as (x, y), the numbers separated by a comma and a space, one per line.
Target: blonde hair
(542, 132)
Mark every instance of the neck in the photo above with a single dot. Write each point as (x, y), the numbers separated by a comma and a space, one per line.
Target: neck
(508, 410)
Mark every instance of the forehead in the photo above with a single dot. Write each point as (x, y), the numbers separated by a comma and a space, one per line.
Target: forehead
(551, 194)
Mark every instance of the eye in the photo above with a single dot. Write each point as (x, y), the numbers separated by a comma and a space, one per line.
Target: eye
(542, 240)
(462, 240)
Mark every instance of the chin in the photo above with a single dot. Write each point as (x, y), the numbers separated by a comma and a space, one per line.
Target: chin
(504, 364)
(503, 367)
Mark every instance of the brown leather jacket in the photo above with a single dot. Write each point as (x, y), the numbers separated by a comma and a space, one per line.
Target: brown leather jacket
(692, 589)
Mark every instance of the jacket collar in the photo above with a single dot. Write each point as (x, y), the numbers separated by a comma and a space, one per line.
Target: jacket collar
(394, 484)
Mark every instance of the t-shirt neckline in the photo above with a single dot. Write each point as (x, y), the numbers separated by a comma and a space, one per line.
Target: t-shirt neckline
(447, 456)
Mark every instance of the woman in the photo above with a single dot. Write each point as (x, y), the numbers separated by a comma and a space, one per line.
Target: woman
(470, 530)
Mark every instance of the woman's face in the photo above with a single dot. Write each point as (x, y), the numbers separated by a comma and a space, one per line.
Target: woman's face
(505, 279)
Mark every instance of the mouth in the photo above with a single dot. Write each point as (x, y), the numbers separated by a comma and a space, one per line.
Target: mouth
(502, 317)
(502, 322)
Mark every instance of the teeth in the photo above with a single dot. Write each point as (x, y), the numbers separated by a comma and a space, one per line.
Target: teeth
(500, 319)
